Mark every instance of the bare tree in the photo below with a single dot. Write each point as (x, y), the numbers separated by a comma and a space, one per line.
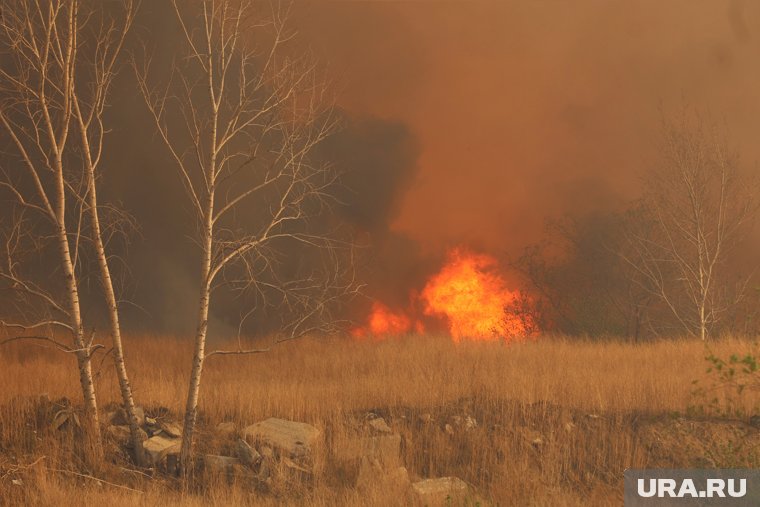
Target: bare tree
(240, 116)
(62, 58)
(694, 212)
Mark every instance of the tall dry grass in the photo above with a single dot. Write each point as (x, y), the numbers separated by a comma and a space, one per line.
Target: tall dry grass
(538, 386)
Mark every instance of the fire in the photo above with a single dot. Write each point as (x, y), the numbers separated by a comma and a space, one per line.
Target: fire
(468, 295)
(384, 322)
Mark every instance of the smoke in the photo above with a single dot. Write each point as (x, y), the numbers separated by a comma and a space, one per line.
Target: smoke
(465, 122)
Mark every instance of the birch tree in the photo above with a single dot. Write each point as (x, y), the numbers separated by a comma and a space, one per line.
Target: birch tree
(240, 115)
(62, 58)
(694, 212)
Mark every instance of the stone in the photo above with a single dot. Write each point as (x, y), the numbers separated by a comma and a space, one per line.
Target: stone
(470, 423)
(426, 418)
(442, 491)
(171, 429)
(247, 454)
(226, 429)
(293, 439)
(379, 425)
(449, 429)
(159, 446)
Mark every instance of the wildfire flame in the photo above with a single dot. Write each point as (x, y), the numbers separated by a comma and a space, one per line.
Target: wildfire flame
(472, 296)
(385, 322)
(468, 294)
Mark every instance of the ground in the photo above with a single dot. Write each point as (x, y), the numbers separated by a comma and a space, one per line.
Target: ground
(552, 421)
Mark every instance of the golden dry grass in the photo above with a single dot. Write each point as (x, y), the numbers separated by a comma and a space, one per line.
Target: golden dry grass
(538, 386)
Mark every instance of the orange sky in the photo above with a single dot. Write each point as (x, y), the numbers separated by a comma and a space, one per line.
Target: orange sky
(526, 110)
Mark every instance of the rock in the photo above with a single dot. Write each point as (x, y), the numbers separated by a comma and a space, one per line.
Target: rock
(247, 454)
(379, 425)
(293, 439)
(266, 451)
(171, 429)
(443, 491)
(426, 418)
(160, 446)
(470, 423)
(754, 421)
(457, 420)
(226, 429)
(569, 427)
(449, 429)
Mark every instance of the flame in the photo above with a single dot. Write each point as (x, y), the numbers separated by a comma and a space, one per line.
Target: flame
(384, 322)
(468, 295)
(472, 296)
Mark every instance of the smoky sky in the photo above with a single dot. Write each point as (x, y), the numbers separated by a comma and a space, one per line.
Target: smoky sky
(527, 110)
(462, 122)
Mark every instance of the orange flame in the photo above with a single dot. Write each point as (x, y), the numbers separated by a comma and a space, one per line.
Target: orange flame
(468, 294)
(472, 296)
(384, 322)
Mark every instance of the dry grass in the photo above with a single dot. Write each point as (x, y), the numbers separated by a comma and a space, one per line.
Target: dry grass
(515, 392)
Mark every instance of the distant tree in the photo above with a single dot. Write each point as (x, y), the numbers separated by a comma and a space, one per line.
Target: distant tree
(59, 60)
(240, 116)
(577, 282)
(695, 210)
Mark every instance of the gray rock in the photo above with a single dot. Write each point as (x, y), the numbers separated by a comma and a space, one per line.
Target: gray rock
(160, 446)
(442, 491)
(293, 439)
(386, 449)
(247, 454)
(171, 429)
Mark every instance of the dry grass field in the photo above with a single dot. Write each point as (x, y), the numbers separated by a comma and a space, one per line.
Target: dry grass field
(558, 420)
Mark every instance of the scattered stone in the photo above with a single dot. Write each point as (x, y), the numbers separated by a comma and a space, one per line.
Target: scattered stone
(441, 491)
(293, 439)
(379, 425)
(426, 418)
(247, 454)
(171, 429)
(17, 482)
(448, 429)
(470, 423)
(159, 446)
(226, 429)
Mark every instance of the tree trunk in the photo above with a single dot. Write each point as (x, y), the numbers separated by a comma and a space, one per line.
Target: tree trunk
(113, 318)
(193, 392)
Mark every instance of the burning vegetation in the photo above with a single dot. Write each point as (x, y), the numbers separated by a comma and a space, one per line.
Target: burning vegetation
(468, 296)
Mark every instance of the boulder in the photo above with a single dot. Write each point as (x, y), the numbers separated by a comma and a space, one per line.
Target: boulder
(159, 446)
(442, 491)
(247, 454)
(171, 429)
(289, 438)
(119, 417)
